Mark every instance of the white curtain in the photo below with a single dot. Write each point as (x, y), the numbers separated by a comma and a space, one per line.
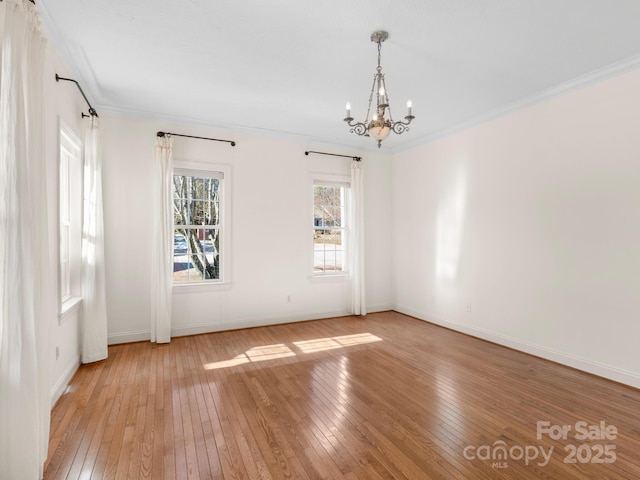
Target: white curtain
(94, 302)
(162, 242)
(356, 240)
(27, 307)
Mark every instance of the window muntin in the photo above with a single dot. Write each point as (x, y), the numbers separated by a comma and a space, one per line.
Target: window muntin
(197, 202)
(329, 228)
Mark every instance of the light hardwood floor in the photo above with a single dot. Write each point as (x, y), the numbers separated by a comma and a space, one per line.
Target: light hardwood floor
(385, 397)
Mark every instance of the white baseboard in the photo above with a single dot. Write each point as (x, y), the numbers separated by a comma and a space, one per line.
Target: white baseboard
(596, 368)
(381, 307)
(61, 384)
(128, 337)
(247, 322)
(250, 322)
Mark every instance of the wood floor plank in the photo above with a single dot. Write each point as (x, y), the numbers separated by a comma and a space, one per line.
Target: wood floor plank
(384, 397)
(73, 442)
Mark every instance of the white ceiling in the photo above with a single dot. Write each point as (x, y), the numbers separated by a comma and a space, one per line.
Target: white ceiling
(291, 65)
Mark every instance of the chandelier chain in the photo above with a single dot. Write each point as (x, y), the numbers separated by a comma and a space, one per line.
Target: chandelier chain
(388, 100)
(373, 87)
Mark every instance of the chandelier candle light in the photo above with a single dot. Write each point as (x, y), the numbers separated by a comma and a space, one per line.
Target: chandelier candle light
(379, 127)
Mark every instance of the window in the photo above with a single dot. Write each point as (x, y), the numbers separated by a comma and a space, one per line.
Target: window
(329, 227)
(198, 226)
(70, 215)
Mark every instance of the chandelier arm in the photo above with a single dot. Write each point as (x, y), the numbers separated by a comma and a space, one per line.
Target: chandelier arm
(408, 119)
(400, 127)
(358, 128)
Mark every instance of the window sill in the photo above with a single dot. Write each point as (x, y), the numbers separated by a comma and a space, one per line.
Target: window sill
(329, 277)
(201, 287)
(69, 306)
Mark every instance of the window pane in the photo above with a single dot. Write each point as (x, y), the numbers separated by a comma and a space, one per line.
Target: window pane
(211, 245)
(181, 263)
(204, 188)
(196, 201)
(65, 280)
(328, 251)
(64, 186)
(196, 254)
(327, 202)
(195, 272)
(64, 243)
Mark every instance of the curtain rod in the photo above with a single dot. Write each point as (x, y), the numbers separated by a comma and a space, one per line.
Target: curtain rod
(357, 159)
(92, 111)
(169, 134)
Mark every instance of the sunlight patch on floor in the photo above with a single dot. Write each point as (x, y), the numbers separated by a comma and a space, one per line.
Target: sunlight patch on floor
(254, 354)
(280, 350)
(329, 343)
(269, 352)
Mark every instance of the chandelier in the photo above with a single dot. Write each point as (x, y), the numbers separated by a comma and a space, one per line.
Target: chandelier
(379, 126)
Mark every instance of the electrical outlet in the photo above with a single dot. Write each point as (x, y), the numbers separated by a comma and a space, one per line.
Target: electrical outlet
(468, 308)
(289, 299)
(57, 353)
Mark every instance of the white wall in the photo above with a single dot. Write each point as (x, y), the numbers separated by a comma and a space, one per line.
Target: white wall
(523, 230)
(63, 102)
(532, 220)
(271, 230)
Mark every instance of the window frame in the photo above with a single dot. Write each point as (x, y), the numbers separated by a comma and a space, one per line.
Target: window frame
(70, 195)
(222, 172)
(344, 182)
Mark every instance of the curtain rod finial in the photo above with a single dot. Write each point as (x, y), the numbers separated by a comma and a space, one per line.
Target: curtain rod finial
(160, 134)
